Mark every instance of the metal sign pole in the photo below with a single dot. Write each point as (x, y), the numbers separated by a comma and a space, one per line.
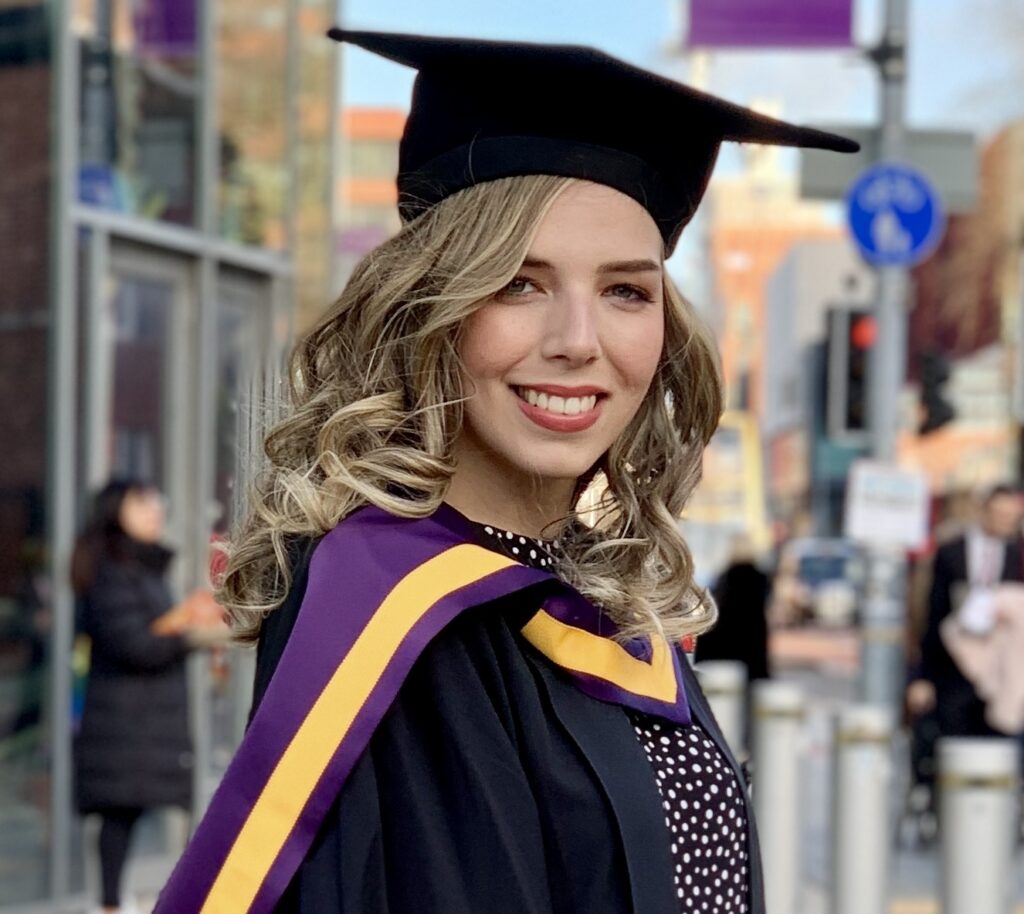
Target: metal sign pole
(882, 660)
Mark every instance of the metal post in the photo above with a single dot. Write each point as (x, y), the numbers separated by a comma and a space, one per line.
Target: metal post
(725, 685)
(979, 796)
(1018, 398)
(203, 341)
(62, 435)
(883, 613)
(889, 368)
(778, 712)
(882, 662)
(860, 818)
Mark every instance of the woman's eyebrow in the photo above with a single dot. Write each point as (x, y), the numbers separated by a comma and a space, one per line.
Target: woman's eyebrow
(617, 266)
(630, 266)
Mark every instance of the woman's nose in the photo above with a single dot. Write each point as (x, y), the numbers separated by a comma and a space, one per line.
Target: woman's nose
(572, 334)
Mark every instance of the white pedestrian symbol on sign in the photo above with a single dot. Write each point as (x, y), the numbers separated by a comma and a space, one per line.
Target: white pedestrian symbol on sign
(888, 233)
(895, 215)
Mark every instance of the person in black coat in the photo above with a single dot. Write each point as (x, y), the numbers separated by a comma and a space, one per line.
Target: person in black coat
(133, 751)
(741, 632)
(982, 557)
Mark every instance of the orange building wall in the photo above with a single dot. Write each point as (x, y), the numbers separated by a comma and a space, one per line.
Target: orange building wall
(368, 126)
(744, 259)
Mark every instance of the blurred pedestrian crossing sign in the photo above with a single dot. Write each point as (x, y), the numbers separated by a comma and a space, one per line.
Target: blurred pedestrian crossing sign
(895, 215)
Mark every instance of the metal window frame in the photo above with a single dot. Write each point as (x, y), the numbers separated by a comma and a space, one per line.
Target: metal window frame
(205, 254)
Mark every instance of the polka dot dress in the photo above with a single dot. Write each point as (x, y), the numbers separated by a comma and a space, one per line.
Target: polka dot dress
(703, 800)
(528, 550)
(704, 812)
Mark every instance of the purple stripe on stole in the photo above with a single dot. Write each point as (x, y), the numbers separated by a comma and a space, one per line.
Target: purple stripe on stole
(678, 712)
(373, 710)
(352, 570)
(572, 608)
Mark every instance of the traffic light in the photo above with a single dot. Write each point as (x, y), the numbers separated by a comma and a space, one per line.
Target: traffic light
(936, 410)
(851, 335)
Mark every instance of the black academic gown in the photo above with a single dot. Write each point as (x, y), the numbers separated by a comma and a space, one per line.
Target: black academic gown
(492, 785)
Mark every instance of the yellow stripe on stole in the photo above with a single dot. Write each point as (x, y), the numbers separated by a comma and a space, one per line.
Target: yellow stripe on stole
(283, 798)
(583, 652)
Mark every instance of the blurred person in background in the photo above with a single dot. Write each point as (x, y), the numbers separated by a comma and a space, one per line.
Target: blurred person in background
(741, 632)
(965, 571)
(133, 751)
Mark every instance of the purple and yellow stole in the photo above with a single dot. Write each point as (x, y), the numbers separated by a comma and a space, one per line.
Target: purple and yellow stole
(380, 589)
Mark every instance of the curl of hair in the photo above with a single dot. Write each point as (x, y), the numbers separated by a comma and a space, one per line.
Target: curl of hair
(376, 405)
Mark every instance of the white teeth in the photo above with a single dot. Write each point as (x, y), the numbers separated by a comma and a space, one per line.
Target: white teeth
(571, 406)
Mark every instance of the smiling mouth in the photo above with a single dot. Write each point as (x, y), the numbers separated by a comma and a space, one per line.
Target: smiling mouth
(560, 406)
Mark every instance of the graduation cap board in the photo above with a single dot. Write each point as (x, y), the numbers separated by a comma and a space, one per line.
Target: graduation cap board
(483, 110)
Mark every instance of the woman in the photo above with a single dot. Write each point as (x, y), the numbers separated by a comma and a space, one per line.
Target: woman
(134, 749)
(467, 699)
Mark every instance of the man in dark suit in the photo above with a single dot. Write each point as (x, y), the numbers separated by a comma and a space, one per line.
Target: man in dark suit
(988, 554)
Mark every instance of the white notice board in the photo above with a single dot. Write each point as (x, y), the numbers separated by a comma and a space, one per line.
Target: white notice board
(887, 505)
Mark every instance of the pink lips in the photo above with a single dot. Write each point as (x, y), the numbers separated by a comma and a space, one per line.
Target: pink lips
(559, 423)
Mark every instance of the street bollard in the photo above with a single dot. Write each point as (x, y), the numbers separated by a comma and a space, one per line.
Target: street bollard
(725, 685)
(778, 712)
(862, 791)
(979, 784)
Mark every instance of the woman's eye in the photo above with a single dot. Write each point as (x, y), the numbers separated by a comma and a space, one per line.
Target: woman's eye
(519, 286)
(630, 293)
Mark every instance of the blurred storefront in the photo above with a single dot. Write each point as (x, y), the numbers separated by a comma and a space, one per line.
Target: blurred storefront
(165, 196)
(754, 219)
(968, 308)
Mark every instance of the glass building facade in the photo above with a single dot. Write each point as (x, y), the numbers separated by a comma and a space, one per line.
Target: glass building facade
(165, 184)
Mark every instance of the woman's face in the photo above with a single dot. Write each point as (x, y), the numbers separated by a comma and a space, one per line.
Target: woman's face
(558, 363)
(142, 515)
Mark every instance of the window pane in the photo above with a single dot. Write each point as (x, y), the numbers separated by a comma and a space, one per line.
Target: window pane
(139, 99)
(141, 309)
(252, 37)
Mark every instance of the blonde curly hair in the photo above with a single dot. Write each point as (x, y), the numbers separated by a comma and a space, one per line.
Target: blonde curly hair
(376, 406)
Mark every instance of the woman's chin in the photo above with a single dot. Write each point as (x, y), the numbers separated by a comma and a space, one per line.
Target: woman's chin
(567, 470)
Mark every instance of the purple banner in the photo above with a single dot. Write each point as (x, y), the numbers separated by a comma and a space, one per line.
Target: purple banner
(770, 23)
(166, 28)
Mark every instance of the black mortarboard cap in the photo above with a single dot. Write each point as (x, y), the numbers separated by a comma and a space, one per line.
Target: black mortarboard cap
(483, 110)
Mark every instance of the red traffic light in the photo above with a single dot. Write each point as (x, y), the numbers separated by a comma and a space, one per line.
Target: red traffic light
(864, 332)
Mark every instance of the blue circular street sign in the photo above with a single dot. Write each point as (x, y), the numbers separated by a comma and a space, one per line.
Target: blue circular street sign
(895, 215)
